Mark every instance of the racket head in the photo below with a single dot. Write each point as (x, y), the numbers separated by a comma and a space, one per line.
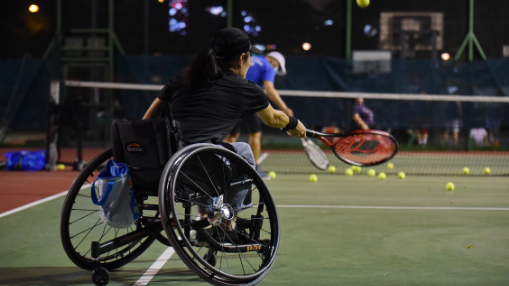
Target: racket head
(315, 154)
(365, 147)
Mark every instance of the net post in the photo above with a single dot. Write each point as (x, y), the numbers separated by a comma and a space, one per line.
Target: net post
(52, 126)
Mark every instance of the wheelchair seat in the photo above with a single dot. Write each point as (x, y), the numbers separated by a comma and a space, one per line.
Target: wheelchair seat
(144, 145)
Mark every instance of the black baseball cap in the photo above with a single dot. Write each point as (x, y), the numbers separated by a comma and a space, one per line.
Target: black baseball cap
(230, 42)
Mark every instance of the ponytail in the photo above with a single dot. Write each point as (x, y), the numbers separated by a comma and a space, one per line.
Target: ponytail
(206, 68)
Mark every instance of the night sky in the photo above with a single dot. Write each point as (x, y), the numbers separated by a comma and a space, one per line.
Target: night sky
(284, 23)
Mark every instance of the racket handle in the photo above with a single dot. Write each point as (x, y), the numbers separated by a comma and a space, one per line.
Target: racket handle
(310, 133)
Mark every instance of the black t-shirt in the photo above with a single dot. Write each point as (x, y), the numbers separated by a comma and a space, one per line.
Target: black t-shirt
(209, 113)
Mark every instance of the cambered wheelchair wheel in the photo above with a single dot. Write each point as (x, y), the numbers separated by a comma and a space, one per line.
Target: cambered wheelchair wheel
(219, 215)
(81, 227)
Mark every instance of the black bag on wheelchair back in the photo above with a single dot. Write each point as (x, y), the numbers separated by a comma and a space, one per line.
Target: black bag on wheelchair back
(144, 146)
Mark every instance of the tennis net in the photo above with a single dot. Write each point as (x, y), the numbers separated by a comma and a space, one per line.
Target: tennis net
(438, 134)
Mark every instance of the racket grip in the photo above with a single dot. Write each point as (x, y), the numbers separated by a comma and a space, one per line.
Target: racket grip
(310, 133)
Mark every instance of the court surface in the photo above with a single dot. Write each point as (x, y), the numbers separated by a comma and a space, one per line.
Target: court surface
(339, 231)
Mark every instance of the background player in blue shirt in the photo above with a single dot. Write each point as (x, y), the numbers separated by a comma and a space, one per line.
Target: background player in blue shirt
(262, 71)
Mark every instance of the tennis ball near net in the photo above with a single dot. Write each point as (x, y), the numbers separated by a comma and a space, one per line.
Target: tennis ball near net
(487, 170)
(349, 172)
(356, 169)
(332, 169)
(272, 175)
(363, 3)
(313, 178)
(371, 173)
(466, 170)
(60, 167)
(401, 175)
(449, 186)
(390, 166)
(382, 176)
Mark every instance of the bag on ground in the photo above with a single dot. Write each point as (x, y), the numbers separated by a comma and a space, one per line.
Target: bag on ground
(25, 160)
(112, 191)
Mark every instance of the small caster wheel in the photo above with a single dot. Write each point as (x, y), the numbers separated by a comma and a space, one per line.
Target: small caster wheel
(100, 276)
(210, 257)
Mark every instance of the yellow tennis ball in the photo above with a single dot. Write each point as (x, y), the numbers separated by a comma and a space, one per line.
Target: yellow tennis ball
(390, 166)
(371, 173)
(313, 178)
(449, 186)
(363, 3)
(487, 170)
(60, 167)
(356, 169)
(349, 172)
(401, 175)
(272, 175)
(332, 169)
(382, 176)
(466, 170)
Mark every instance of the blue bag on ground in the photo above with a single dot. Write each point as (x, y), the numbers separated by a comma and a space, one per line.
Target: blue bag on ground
(112, 191)
(25, 160)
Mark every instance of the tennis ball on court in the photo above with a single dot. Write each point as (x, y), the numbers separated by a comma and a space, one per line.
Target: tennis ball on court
(449, 186)
(487, 170)
(356, 169)
(313, 178)
(371, 173)
(466, 170)
(401, 175)
(349, 172)
(60, 167)
(363, 3)
(272, 175)
(390, 166)
(382, 176)
(332, 169)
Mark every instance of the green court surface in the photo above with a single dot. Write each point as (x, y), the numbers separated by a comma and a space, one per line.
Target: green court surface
(338, 231)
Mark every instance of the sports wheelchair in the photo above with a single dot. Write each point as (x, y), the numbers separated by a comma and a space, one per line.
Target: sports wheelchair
(204, 200)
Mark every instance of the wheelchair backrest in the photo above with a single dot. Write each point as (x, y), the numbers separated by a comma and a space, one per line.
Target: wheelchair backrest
(145, 146)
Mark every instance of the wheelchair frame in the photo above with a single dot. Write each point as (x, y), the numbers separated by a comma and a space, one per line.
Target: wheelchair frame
(177, 198)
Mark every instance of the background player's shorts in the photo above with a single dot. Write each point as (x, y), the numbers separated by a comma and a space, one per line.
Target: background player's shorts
(250, 123)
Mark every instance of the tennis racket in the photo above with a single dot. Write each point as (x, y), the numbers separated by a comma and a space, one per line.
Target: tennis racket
(315, 154)
(360, 147)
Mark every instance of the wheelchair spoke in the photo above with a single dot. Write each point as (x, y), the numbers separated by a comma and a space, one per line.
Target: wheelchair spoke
(104, 233)
(237, 249)
(242, 235)
(224, 180)
(83, 195)
(90, 229)
(194, 183)
(96, 224)
(116, 249)
(83, 217)
(208, 176)
(226, 256)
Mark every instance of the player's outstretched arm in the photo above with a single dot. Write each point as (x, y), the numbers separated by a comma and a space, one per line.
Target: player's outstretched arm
(274, 96)
(278, 119)
(154, 110)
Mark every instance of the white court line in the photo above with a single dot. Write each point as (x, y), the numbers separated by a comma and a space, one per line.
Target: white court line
(32, 204)
(393, 207)
(158, 264)
(38, 202)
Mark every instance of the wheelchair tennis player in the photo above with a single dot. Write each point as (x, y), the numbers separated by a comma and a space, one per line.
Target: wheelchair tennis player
(211, 94)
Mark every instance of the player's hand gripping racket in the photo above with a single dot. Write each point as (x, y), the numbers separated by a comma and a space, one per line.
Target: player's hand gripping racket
(360, 147)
